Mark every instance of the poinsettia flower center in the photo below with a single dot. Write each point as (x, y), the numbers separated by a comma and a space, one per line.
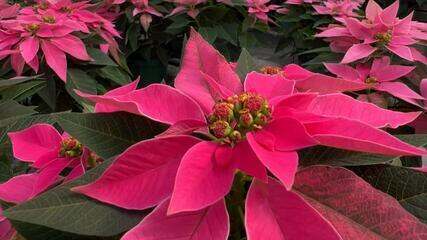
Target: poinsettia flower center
(32, 27)
(271, 70)
(66, 9)
(371, 81)
(48, 19)
(234, 117)
(383, 38)
(70, 147)
(42, 6)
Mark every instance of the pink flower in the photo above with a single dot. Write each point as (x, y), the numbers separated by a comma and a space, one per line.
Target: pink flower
(8, 11)
(260, 9)
(380, 31)
(50, 27)
(340, 9)
(381, 76)
(49, 153)
(299, 2)
(253, 127)
(186, 5)
(142, 6)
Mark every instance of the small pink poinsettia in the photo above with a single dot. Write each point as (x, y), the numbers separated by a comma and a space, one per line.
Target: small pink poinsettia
(252, 127)
(380, 76)
(340, 9)
(49, 153)
(260, 9)
(143, 7)
(380, 31)
(49, 28)
(188, 6)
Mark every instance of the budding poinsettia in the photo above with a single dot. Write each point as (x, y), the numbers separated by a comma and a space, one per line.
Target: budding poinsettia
(70, 147)
(270, 123)
(271, 70)
(49, 153)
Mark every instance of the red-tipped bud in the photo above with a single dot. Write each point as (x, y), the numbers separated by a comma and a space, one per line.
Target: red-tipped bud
(220, 129)
(223, 111)
(271, 70)
(246, 118)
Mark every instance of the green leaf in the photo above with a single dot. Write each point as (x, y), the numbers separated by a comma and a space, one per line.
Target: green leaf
(245, 64)
(208, 33)
(228, 32)
(320, 155)
(36, 232)
(21, 91)
(323, 57)
(316, 50)
(6, 171)
(11, 108)
(179, 24)
(132, 35)
(100, 58)
(64, 210)
(408, 186)
(13, 124)
(79, 80)
(108, 134)
(15, 80)
(115, 74)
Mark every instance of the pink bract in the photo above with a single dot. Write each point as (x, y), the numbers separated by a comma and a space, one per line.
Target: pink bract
(251, 127)
(381, 31)
(380, 76)
(49, 28)
(49, 153)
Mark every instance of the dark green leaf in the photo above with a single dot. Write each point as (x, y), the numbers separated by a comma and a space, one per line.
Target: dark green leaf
(21, 91)
(115, 74)
(408, 186)
(13, 124)
(100, 58)
(64, 210)
(15, 80)
(11, 108)
(108, 134)
(36, 232)
(320, 155)
(132, 35)
(79, 80)
(208, 33)
(245, 64)
(316, 50)
(6, 171)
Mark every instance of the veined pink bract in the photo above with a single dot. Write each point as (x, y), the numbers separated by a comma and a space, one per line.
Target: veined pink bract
(49, 153)
(380, 31)
(251, 127)
(50, 28)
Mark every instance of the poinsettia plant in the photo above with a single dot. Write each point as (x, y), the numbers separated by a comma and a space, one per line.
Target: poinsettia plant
(251, 119)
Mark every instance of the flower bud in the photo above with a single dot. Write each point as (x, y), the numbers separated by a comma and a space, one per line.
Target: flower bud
(235, 136)
(223, 111)
(271, 70)
(261, 119)
(371, 81)
(220, 129)
(246, 118)
(253, 103)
